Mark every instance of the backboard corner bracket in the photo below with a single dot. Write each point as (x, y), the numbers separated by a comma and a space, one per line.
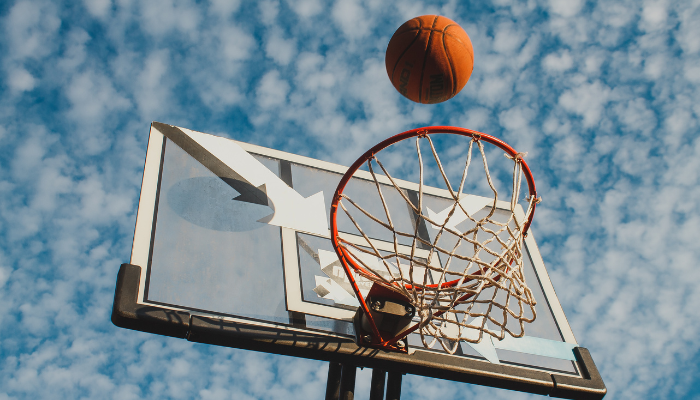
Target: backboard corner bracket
(127, 313)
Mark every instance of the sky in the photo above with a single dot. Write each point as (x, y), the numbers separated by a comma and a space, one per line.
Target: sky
(602, 95)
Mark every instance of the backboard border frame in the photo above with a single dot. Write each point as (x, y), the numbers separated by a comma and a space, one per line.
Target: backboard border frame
(146, 218)
(146, 212)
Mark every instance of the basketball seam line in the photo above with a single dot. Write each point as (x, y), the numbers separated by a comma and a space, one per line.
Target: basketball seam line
(443, 31)
(393, 71)
(409, 28)
(457, 39)
(449, 62)
(425, 59)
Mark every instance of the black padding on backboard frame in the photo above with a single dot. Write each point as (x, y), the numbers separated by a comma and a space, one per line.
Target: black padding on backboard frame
(127, 313)
(590, 388)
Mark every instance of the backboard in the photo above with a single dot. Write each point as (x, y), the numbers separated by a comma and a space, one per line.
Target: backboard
(231, 247)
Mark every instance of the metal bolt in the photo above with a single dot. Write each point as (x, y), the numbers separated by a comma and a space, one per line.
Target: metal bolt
(367, 338)
(410, 311)
(400, 344)
(376, 305)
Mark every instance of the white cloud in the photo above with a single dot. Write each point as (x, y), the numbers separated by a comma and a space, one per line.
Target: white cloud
(566, 8)
(50, 183)
(587, 100)
(655, 65)
(351, 17)
(93, 97)
(689, 31)
(224, 8)
(508, 38)
(163, 17)
(235, 43)
(654, 14)
(99, 204)
(306, 8)
(280, 49)
(573, 32)
(678, 122)
(517, 118)
(31, 28)
(635, 115)
(312, 73)
(75, 53)
(558, 62)
(475, 118)
(152, 93)
(495, 90)
(93, 100)
(691, 71)
(20, 80)
(98, 8)
(4, 275)
(553, 126)
(269, 11)
(272, 90)
(616, 14)
(30, 154)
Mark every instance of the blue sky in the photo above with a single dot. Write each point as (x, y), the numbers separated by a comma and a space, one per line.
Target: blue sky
(603, 96)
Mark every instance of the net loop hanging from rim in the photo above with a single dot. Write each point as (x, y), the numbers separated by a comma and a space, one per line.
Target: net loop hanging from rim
(461, 292)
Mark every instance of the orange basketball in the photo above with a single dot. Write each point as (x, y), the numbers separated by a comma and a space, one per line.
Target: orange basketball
(429, 59)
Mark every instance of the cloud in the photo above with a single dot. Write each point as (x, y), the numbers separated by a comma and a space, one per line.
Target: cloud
(224, 8)
(565, 8)
(507, 38)
(93, 97)
(153, 90)
(280, 49)
(475, 118)
(98, 8)
(587, 100)
(164, 17)
(352, 18)
(306, 8)
(558, 62)
(75, 53)
(272, 90)
(689, 32)
(635, 115)
(235, 43)
(31, 28)
(654, 14)
(269, 11)
(20, 80)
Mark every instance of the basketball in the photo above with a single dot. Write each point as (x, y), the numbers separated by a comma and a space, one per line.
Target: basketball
(429, 59)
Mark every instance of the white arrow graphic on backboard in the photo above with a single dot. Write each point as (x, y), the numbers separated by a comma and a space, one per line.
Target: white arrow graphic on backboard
(471, 205)
(291, 209)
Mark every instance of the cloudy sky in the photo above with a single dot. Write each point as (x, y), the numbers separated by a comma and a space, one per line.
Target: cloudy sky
(604, 97)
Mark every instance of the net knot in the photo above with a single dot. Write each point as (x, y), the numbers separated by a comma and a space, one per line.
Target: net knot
(518, 156)
(423, 134)
(476, 137)
(536, 200)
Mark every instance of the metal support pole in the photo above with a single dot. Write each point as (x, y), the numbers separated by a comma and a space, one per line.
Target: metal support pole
(393, 386)
(376, 390)
(347, 382)
(333, 385)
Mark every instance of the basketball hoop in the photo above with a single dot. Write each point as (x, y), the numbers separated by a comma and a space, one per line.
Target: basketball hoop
(448, 294)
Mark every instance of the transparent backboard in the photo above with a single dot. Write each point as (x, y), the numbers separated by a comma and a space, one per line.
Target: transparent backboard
(240, 233)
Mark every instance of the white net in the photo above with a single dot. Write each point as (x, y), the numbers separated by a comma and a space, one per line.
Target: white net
(464, 283)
